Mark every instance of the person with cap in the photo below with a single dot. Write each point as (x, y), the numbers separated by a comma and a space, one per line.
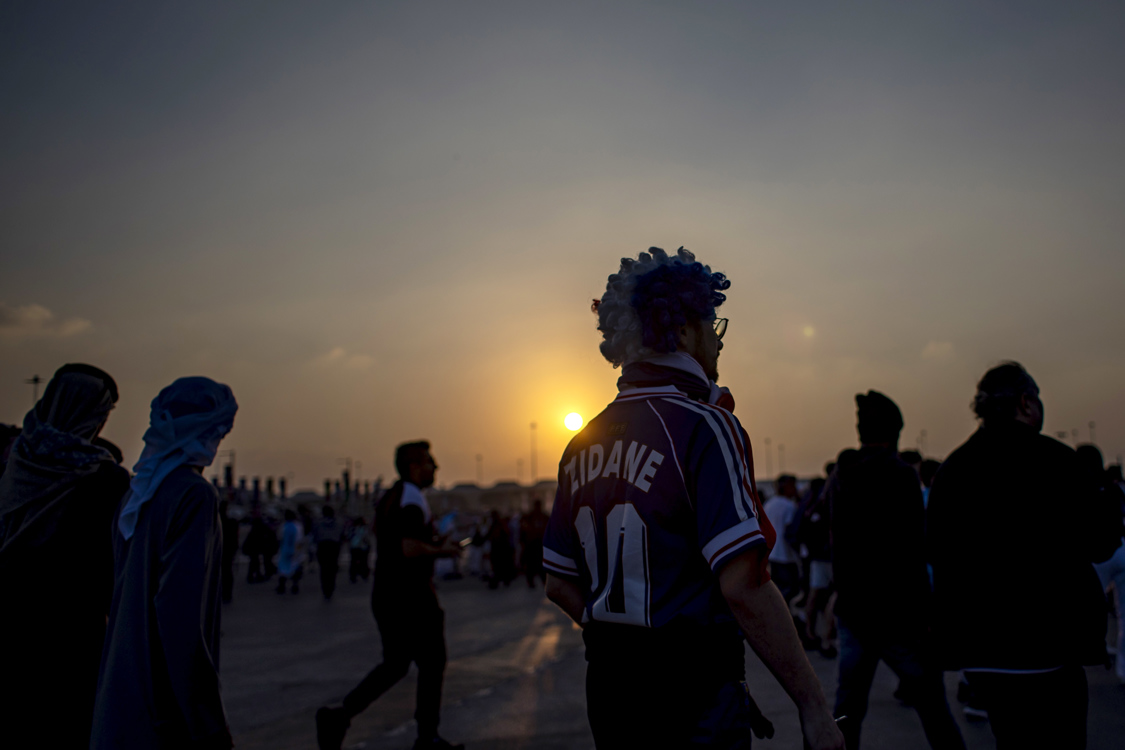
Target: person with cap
(58, 495)
(1013, 525)
(876, 522)
(159, 680)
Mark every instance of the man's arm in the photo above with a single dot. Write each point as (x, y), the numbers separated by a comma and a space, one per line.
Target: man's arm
(567, 595)
(418, 548)
(765, 621)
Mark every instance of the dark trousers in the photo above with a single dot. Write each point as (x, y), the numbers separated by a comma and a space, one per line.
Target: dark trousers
(533, 562)
(787, 578)
(359, 567)
(665, 687)
(328, 559)
(410, 634)
(1035, 710)
(922, 684)
(228, 578)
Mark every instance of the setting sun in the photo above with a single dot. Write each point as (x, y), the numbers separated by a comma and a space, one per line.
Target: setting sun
(573, 421)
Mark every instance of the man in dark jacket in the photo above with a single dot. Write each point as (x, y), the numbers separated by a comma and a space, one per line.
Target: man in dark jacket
(1011, 531)
(877, 534)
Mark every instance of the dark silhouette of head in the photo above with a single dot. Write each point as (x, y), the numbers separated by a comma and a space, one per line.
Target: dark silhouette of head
(787, 485)
(879, 420)
(290, 515)
(415, 464)
(328, 511)
(1006, 394)
(650, 300)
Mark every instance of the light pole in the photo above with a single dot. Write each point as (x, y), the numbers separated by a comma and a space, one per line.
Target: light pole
(480, 470)
(34, 382)
(534, 454)
(1093, 433)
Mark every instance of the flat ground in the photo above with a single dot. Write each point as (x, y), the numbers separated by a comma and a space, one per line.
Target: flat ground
(515, 677)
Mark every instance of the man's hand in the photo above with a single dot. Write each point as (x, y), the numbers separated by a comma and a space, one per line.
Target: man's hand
(765, 621)
(820, 731)
(449, 548)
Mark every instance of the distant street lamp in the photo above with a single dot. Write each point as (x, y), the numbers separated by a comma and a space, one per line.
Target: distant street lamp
(534, 454)
(34, 382)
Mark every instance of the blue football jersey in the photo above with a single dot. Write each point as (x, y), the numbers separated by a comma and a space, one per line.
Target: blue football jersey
(655, 495)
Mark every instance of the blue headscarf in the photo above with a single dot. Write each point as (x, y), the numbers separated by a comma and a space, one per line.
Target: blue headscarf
(189, 419)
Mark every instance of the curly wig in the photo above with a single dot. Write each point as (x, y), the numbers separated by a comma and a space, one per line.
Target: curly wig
(650, 298)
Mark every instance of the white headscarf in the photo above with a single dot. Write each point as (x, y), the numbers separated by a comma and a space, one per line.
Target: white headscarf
(189, 419)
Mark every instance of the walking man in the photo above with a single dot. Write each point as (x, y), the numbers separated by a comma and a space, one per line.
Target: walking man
(328, 536)
(1014, 523)
(403, 599)
(877, 532)
(657, 543)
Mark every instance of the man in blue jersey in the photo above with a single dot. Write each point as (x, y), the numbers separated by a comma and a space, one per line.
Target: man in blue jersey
(657, 543)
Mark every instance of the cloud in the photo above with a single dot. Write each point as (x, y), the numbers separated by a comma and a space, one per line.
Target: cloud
(938, 351)
(36, 321)
(339, 357)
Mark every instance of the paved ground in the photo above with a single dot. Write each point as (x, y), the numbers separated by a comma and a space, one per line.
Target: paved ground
(515, 677)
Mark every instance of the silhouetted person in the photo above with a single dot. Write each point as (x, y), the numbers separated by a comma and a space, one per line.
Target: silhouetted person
(328, 536)
(1091, 463)
(57, 500)
(501, 553)
(259, 547)
(159, 683)
(781, 509)
(291, 554)
(878, 559)
(532, 527)
(405, 605)
(1011, 531)
(811, 530)
(230, 549)
(658, 545)
(360, 543)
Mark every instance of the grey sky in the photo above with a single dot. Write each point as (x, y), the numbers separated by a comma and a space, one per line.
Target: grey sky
(381, 221)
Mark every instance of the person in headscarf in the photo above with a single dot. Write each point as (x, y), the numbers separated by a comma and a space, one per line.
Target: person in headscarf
(159, 680)
(58, 495)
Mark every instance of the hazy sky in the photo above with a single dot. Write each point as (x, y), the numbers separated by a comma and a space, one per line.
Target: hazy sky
(385, 221)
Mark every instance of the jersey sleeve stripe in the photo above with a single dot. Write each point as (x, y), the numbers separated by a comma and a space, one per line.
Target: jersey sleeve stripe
(671, 444)
(731, 541)
(736, 436)
(732, 470)
(558, 563)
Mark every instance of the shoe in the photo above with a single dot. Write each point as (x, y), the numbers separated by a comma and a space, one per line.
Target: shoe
(331, 725)
(436, 743)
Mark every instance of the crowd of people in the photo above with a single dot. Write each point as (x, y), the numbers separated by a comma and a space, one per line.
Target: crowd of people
(995, 562)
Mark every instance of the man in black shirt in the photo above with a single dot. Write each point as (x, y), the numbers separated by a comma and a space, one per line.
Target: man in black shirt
(411, 622)
(1012, 529)
(877, 534)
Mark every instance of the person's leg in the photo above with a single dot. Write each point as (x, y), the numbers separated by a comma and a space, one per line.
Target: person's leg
(429, 655)
(1035, 710)
(281, 584)
(923, 688)
(856, 672)
(629, 705)
(397, 655)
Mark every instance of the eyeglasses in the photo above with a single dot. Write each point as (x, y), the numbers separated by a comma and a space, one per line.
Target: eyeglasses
(720, 326)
